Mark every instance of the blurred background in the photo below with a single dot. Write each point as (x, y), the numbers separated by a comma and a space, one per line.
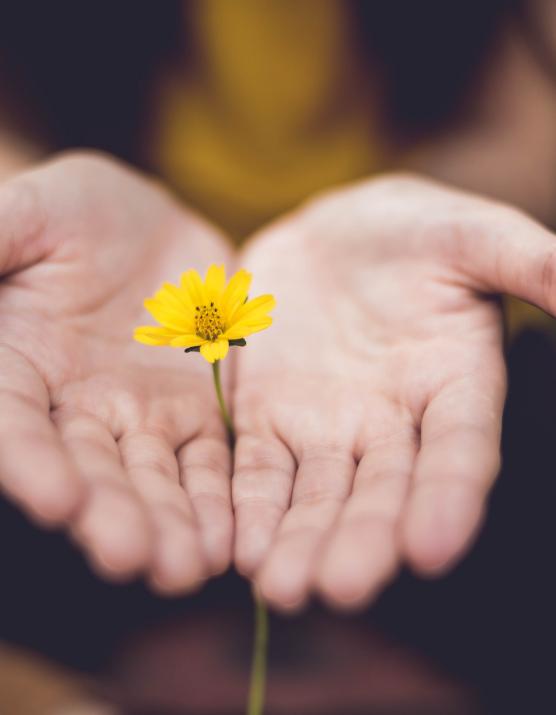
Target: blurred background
(246, 108)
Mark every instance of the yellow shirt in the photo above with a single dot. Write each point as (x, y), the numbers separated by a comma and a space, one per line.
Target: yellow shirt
(270, 107)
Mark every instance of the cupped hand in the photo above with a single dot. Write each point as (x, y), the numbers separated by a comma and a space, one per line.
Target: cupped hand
(120, 442)
(369, 416)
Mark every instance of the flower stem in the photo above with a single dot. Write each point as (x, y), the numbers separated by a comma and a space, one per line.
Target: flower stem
(257, 686)
(223, 409)
(258, 668)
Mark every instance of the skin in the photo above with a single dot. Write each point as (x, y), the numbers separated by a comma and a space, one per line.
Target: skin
(118, 443)
(369, 415)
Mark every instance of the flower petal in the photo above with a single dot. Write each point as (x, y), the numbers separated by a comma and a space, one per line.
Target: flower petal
(187, 341)
(153, 335)
(245, 328)
(175, 296)
(165, 313)
(215, 280)
(193, 286)
(215, 351)
(235, 294)
(253, 309)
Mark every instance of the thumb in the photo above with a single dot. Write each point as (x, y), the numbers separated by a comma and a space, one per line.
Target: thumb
(22, 225)
(505, 251)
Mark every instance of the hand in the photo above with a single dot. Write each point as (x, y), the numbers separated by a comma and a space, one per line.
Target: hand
(120, 442)
(369, 415)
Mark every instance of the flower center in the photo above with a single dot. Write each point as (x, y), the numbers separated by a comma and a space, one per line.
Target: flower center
(208, 322)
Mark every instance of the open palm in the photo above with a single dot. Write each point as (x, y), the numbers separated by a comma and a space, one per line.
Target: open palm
(369, 416)
(121, 443)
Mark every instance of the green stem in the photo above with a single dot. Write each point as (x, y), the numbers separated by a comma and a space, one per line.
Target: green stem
(257, 686)
(223, 409)
(258, 668)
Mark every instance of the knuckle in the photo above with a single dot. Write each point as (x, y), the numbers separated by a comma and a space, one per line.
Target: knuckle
(320, 497)
(209, 454)
(255, 456)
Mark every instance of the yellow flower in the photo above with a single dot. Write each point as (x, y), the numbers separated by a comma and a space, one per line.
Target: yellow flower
(208, 316)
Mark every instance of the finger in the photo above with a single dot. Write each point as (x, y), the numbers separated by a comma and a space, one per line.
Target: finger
(262, 484)
(22, 219)
(363, 552)
(113, 526)
(35, 470)
(508, 252)
(178, 563)
(205, 473)
(458, 461)
(322, 484)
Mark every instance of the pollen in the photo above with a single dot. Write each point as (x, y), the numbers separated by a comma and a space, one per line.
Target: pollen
(209, 323)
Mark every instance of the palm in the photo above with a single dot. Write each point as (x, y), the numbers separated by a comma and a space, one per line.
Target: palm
(369, 416)
(127, 443)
